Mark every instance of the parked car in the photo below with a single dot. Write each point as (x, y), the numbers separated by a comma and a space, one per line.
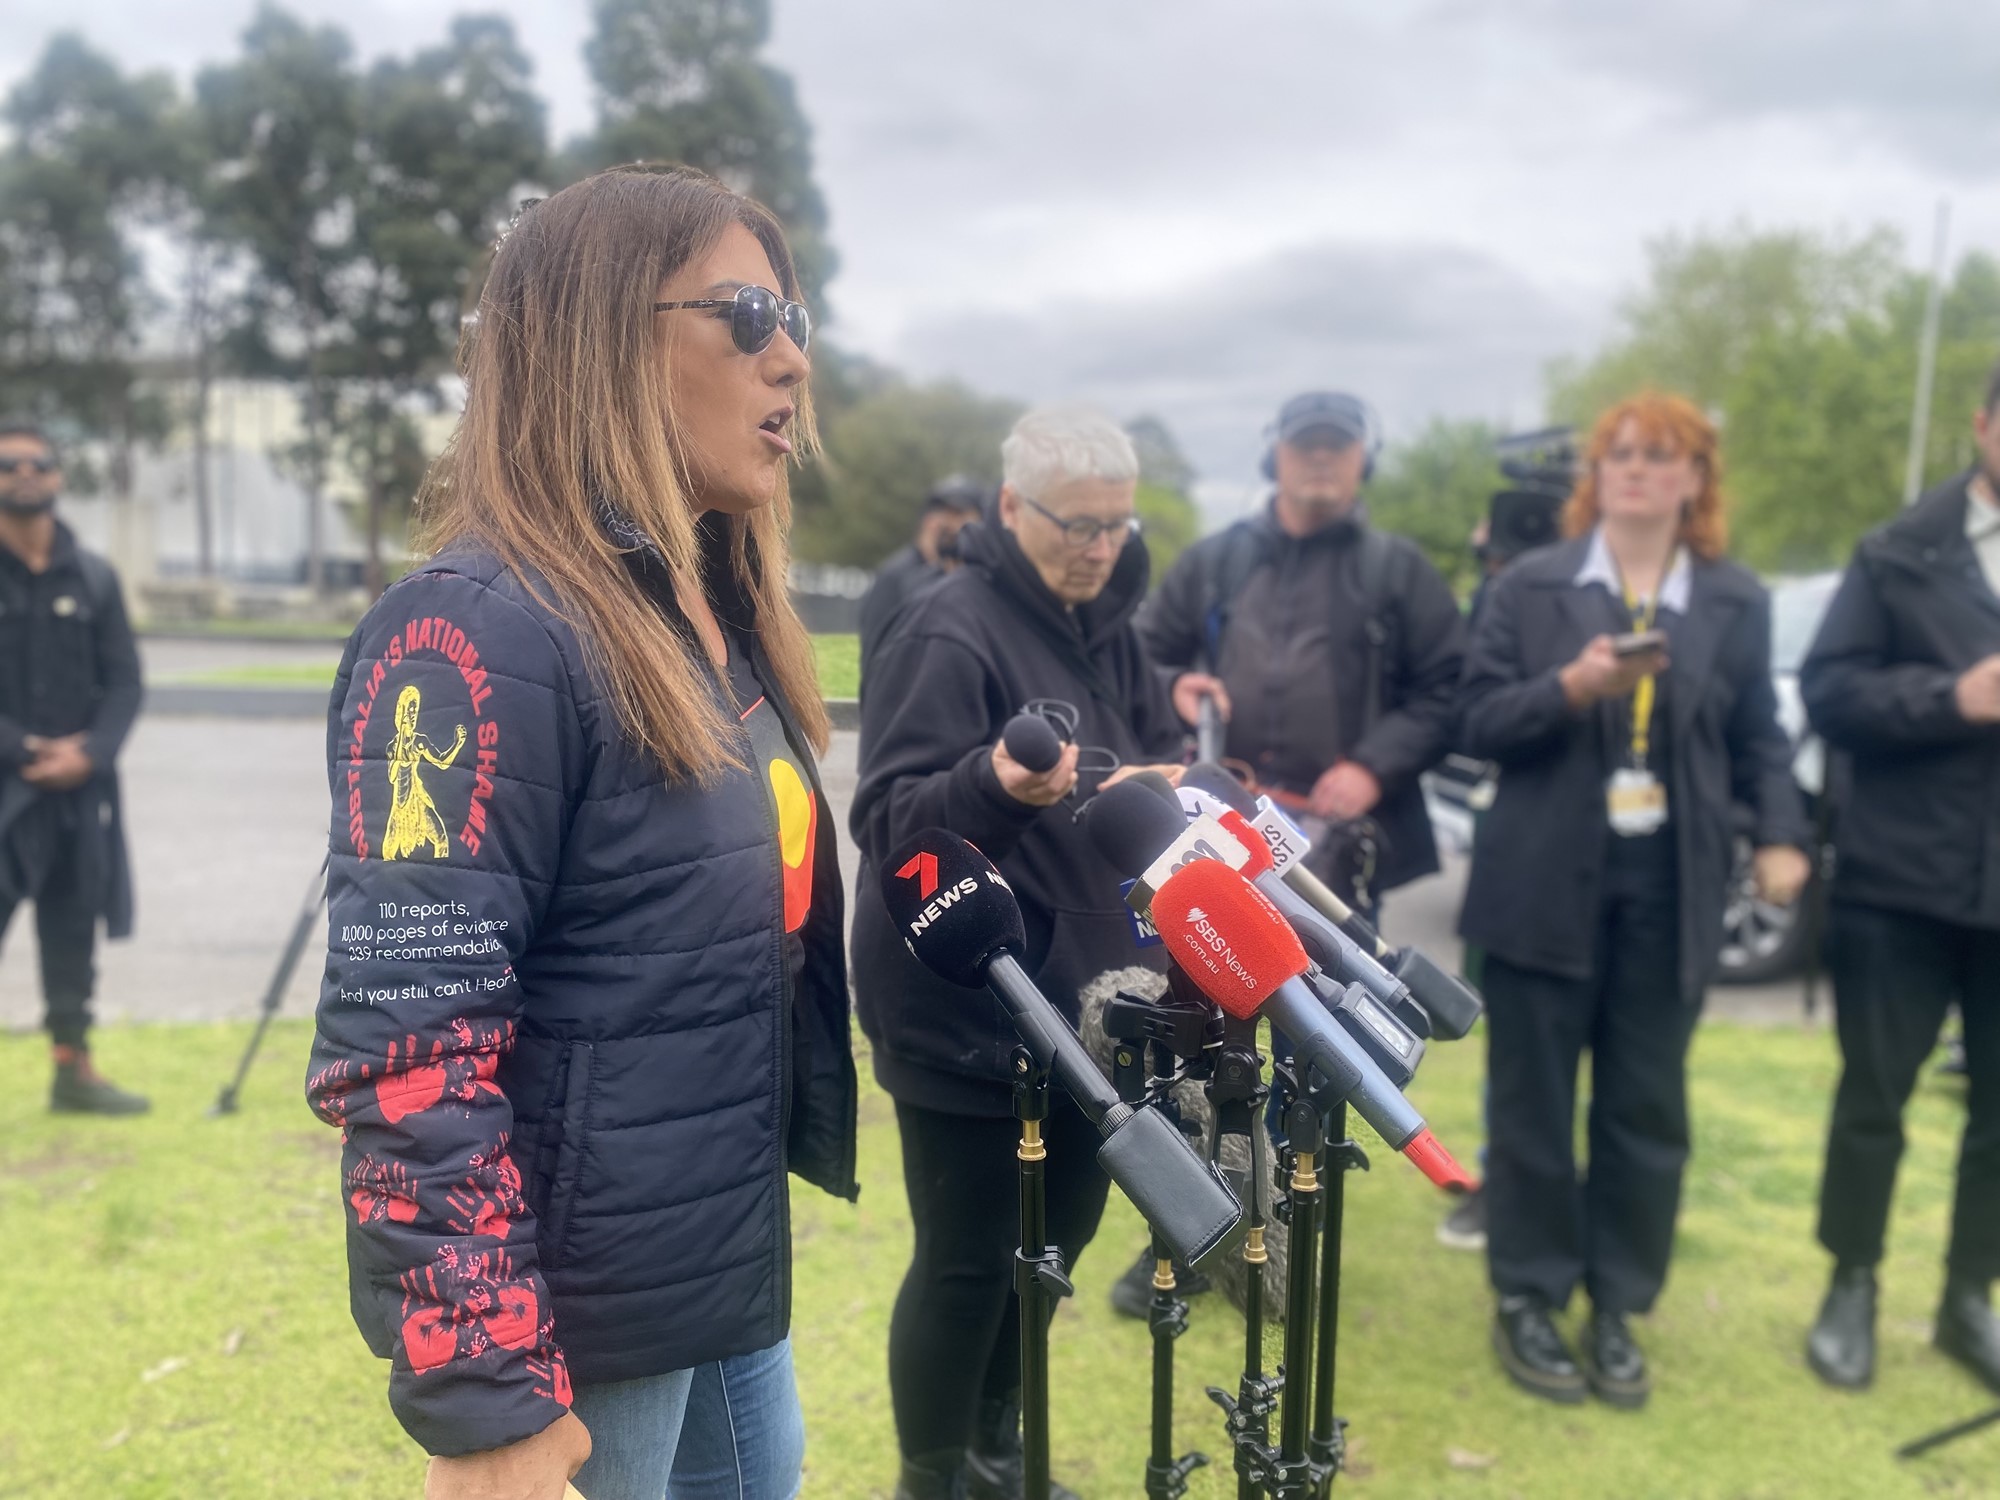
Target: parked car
(1761, 942)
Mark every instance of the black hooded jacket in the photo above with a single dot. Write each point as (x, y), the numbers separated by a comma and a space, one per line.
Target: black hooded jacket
(1920, 828)
(964, 659)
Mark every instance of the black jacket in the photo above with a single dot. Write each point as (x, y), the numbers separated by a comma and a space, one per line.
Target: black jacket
(1919, 830)
(1294, 650)
(964, 659)
(899, 580)
(558, 1023)
(68, 665)
(1538, 866)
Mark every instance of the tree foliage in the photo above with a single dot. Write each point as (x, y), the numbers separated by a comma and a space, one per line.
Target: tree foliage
(1435, 489)
(682, 80)
(1804, 348)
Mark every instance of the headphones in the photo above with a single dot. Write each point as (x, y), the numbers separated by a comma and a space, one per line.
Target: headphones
(1371, 442)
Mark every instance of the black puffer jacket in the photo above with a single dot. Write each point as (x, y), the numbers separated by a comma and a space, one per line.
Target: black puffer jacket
(1920, 829)
(558, 1023)
(963, 660)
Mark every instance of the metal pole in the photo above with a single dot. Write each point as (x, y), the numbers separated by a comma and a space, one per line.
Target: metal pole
(1920, 411)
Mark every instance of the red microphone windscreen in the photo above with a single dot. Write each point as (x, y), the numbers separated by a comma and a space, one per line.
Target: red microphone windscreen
(1226, 936)
(1251, 839)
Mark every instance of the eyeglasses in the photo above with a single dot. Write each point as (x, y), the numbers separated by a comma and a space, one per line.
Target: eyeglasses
(1085, 530)
(755, 315)
(37, 465)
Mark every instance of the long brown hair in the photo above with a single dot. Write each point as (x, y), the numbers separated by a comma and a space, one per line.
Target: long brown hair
(1672, 422)
(565, 391)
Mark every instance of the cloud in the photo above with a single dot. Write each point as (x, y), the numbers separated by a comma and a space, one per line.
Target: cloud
(1417, 329)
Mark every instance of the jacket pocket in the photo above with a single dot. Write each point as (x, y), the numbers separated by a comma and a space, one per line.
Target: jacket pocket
(570, 1135)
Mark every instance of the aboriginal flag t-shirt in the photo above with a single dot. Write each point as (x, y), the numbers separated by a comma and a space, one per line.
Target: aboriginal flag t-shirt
(781, 768)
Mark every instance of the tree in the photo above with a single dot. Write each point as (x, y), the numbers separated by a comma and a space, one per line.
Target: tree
(1172, 520)
(1435, 489)
(1804, 350)
(282, 127)
(87, 158)
(680, 80)
(446, 142)
(882, 456)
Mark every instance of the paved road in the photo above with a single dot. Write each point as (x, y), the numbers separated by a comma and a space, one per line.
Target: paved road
(228, 822)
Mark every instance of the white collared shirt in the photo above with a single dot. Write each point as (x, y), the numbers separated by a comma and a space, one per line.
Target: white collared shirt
(1982, 529)
(1599, 567)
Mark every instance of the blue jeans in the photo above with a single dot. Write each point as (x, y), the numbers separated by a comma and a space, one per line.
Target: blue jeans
(731, 1430)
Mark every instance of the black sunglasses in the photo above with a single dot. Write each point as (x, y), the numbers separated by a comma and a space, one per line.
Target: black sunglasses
(755, 316)
(39, 465)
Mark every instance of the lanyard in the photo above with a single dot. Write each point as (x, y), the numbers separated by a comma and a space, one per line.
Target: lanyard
(1643, 612)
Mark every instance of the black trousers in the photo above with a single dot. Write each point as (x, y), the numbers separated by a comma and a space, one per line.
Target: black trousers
(66, 931)
(1894, 977)
(1613, 1230)
(955, 1335)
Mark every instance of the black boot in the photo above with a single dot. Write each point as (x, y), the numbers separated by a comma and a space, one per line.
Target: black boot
(1613, 1363)
(1132, 1293)
(80, 1090)
(1969, 1330)
(1533, 1353)
(995, 1467)
(932, 1476)
(1841, 1346)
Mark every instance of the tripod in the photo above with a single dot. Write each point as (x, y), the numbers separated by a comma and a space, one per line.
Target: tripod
(274, 993)
(1039, 1279)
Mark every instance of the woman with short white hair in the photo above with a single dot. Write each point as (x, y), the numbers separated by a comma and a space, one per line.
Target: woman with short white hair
(1040, 614)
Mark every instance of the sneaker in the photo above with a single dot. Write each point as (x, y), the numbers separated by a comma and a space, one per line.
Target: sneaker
(1132, 1293)
(1464, 1228)
(79, 1089)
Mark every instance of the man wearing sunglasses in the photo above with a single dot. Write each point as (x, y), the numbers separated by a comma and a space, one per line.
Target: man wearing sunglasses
(69, 691)
(1040, 613)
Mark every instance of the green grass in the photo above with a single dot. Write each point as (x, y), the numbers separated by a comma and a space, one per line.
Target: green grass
(839, 665)
(839, 658)
(133, 1244)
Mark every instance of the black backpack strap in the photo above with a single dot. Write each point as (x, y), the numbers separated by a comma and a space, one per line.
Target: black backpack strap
(100, 582)
(1227, 568)
(1384, 571)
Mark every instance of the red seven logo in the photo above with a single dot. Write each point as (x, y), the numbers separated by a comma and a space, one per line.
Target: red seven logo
(923, 868)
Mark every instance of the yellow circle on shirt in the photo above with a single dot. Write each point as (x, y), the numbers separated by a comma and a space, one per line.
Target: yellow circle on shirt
(794, 804)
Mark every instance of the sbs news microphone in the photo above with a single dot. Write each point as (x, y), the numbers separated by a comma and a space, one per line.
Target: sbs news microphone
(1148, 838)
(959, 918)
(1235, 945)
(1449, 1005)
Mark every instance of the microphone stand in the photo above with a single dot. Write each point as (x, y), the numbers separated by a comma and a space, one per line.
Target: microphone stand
(1236, 1095)
(1145, 1074)
(1039, 1281)
(1328, 1446)
(1294, 1475)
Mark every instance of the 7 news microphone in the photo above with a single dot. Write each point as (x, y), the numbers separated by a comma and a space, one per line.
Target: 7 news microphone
(1140, 831)
(1449, 1005)
(959, 918)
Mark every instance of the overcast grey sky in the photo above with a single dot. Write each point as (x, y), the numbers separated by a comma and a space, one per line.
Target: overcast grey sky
(1196, 207)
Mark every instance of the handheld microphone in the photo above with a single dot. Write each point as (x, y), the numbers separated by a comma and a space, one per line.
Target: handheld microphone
(1233, 943)
(1209, 733)
(1031, 740)
(959, 918)
(1449, 1006)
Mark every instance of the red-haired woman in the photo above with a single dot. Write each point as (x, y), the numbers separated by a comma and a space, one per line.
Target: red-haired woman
(1622, 681)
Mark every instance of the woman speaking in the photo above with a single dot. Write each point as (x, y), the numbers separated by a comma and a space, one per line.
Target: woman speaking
(1622, 681)
(585, 1000)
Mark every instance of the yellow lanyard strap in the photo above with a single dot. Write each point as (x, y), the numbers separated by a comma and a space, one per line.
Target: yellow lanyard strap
(1643, 612)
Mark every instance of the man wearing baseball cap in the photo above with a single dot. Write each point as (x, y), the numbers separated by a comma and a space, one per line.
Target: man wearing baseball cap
(1331, 649)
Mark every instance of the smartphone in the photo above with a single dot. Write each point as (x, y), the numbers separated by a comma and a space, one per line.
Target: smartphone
(1639, 643)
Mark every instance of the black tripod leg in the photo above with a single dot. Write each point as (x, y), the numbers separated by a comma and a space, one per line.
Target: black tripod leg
(1038, 1274)
(1949, 1434)
(1302, 1125)
(1329, 1443)
(274, 995)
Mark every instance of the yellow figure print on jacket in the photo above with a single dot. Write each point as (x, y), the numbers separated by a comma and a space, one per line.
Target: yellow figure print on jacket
(413, 818)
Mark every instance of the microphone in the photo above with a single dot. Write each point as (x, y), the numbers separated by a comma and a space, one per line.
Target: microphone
(1449, 1006)
(1151, 841)
(959, 919)
(1031, 740)
(1233, 943)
